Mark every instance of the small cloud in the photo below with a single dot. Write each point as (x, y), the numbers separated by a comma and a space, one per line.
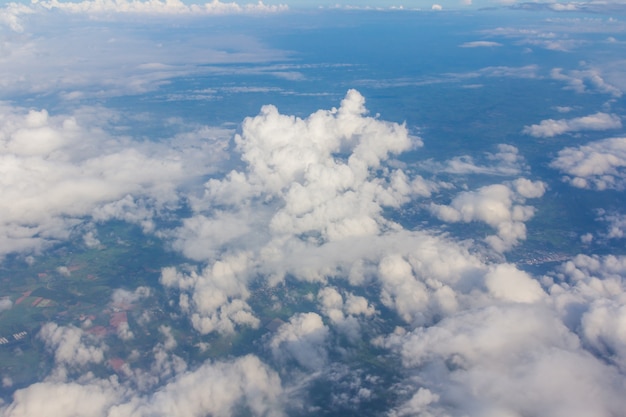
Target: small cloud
(550, 127)
(436, 7)
(480, 44)
(5, 304)
(499, 206)
(587, 238)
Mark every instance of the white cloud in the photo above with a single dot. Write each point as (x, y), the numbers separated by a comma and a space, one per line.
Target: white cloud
(215, 298)
(507, 161)
(598, 121)
(113, 63)
(617, 225)
(493, 359)
(582, 80)
(342, 313)
(55, 172)
(480, 44)
(304, 339)
(499, 206)
(603, 328)
(598, 165)
(69, 345)
(212, 389)
(124, 299)
(506, 282)
(63, 400)
(5, 304)
(308, 184)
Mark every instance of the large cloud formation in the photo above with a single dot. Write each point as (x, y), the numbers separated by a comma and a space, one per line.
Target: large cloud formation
(310, 188)
(308, 204)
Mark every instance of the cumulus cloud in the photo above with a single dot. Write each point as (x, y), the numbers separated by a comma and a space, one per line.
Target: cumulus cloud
(603, 329)
(596, 165)
(549, 128)
(217, 389)
(302, 339)
(71, 346)
(123, 299)
(500, 206)
(308, 201)
(479, 360)
(508, 283)
(344, 313)
(308, 185)
(616, 224)
(56, 172)
(215, 298)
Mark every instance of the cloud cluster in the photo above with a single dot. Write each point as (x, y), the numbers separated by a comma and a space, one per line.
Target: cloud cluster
(597, 165)
(217, 389)
(500, 206)
(70, 345)
(310, 186)
(309, 201)
(549, 128)
(344, 310)
(57, 171)
(554, 343)
(303, 339)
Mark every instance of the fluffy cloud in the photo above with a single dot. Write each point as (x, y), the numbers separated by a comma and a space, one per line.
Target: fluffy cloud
(480, 360)
(549, 128)
(303, 339)
(55, 172)
(617, 224)
(597, 165)
(215, 298)
(603, 329)
(213, 389)
(344, 313)
(499, 206)
(71, 345)
(506, 282)
(309, 186)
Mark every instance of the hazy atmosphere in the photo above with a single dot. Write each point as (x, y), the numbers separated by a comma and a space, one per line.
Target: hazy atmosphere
(312, 208)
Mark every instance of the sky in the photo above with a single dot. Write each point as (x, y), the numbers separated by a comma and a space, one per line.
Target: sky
(356, 212)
